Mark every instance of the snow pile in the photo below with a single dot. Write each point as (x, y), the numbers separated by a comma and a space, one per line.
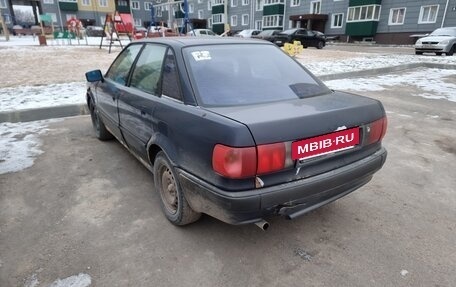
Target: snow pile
(20, 144)
(80, 280)
(373, 61)
(31, 97)
(431, 82)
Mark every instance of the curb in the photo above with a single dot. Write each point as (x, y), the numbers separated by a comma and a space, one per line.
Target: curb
(44, 113)
(77, 110)
(385, 70)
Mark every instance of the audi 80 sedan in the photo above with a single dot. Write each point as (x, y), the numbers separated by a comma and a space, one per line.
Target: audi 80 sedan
(235, 128)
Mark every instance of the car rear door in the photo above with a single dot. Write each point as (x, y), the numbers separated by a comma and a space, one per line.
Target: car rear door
(113, 86)
(136, 105)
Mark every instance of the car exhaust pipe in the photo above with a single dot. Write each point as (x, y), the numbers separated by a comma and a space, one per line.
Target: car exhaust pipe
(263, 224)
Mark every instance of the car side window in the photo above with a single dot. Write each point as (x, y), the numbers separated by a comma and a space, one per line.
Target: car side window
(118, 72)
(146, 74)
(170, 84)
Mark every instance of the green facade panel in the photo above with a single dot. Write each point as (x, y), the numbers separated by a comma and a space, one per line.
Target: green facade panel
(123, 9)
(179, 14)
(219, 9)
(363, 2)
(68, 6)
(218, 28)
(364, 29)
(273, 9)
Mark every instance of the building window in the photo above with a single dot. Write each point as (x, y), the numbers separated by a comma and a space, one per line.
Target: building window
(209, 5)
(294, 3)
(70, 16)
(200, 14)
(209, 22)
(245, 2)
(259, 5)
(315, 7)
(103, 3)
(272, 21)
(336, 20)
(234, 3)
(428, 14)
(7, 19)
(135, 5)
(147, 6)
(200, 1)
(159, 12)
(363, 13)
(234, 20)
(138, 22)
(86, 3)
(44, 1)
(217, 2)
(217, 19)
(245, 19)
(122, 3)
(191, 8)
(397, 16)
(272, 2)
(258, 24)
(3, 4)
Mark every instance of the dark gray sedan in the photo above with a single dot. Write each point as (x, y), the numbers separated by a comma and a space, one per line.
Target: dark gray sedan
(235, 128)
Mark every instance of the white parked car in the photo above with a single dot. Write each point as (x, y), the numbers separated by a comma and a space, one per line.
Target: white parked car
(201, 33)
(442, 40)
(248, 33)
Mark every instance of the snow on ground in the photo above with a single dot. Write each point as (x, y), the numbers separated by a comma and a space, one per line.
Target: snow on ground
(80, 280)
(30, 97)
(373, 61)
(433, 83)
(20, 144)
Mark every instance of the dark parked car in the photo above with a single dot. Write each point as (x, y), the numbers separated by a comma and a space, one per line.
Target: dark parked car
(308, 38)
(231, 135)
(267, 35)
(95, 31)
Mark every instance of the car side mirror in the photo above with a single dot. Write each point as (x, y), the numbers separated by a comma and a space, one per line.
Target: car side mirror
(94, 76)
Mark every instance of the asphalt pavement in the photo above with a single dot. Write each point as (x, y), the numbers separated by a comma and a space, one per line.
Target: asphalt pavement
(88, 208)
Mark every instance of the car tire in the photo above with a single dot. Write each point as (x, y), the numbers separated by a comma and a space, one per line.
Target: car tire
(320, 45)
(438, 53)
(418, 53)
(98, 126)
(451, 52)
(172, 199)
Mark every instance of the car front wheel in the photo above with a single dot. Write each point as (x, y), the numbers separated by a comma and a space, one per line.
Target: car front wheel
(418, 53)
(320, 45)
(173, 202)
(98, 126)
(451, 52)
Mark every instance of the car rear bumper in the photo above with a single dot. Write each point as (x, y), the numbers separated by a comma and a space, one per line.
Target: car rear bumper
(289, 199)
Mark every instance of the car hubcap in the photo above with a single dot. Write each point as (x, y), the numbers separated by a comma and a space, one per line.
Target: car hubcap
(169, 190)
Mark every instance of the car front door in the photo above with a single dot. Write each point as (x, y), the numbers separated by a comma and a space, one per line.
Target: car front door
(301, 35)
(137, 104)
(109, 91)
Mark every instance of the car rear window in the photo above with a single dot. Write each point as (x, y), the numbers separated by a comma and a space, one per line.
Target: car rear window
(243, 74)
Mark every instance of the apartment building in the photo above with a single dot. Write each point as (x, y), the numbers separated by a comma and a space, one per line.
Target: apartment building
(383, 21)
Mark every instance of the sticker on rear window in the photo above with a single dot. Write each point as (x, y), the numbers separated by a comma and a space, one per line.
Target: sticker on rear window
(201, 55)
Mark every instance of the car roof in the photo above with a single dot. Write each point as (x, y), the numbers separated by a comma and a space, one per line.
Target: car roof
(181, 42)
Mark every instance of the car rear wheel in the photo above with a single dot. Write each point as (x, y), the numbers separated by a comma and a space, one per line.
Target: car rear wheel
(438, 53)
(320, 45)
(173, 202)
(98, 126)
(418, 53)
(451, 52)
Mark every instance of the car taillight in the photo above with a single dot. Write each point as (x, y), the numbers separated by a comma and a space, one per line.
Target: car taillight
(234, 162)
(376, 130)
(271, 157)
